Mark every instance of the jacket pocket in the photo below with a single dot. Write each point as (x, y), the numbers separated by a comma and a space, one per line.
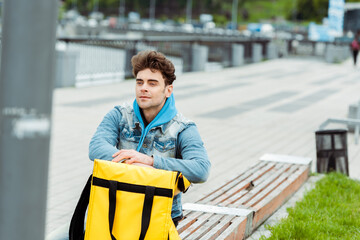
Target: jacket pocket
(128, 139)
(164, 146)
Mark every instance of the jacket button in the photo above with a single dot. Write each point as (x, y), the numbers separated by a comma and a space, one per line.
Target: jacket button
(145, 146)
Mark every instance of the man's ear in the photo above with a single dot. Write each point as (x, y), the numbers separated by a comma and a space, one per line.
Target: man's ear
(168, 90)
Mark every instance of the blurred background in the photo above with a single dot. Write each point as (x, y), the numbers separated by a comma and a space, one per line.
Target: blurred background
(222, 33)
(89, 31)
(94, 41)
(244, 17)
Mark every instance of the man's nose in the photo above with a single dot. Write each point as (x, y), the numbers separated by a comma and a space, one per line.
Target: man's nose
(144, 88)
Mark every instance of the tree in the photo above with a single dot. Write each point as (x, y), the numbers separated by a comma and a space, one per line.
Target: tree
(313, 10)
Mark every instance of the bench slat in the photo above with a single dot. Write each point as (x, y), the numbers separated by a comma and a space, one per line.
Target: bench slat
(260, 183)
(206, 227)
(188, 220)
(196, 225)
(272, 186)
(228, 192)
(235, 231)
(223, 224)
(211, 197)
(264, 185)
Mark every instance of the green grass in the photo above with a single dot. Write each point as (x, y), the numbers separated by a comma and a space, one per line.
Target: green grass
(330, 211)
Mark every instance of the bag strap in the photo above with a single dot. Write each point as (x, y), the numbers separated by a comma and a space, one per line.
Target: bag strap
(76, 230)
(112, 205)
(146, 214)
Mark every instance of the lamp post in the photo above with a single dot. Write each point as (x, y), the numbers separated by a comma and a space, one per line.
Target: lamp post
(294, 10)
(234, 14)
(74, 4)
(96, 6)
(188, 11)
(26, 85)
(122, 11)
(152, 10)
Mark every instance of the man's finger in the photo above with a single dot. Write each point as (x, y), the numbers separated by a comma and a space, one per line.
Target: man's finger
(130, 161)
(115, 154)
(123, 160)
(116, 159)
(122, 151)
(123, 154)
(119, 159)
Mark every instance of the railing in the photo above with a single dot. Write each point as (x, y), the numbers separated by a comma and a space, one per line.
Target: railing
(108, 59)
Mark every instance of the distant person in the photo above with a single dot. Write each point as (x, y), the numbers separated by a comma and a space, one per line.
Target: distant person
(355, 47)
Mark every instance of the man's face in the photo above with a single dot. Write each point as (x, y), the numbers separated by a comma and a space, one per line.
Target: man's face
(151, 92)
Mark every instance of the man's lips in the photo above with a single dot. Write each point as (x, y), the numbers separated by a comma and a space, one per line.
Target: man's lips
(144, 97)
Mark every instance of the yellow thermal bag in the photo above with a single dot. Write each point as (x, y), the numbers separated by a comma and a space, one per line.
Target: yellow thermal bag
(127, 202)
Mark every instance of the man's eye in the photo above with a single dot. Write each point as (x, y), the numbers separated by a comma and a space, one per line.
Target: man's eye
(152, 84)
(139, 83)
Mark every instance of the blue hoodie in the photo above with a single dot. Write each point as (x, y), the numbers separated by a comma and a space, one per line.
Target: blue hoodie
(167, 113)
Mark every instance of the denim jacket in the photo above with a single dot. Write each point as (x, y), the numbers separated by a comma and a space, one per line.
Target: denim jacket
(175, 145)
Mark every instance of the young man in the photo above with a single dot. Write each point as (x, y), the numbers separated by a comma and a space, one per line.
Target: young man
(151, 132)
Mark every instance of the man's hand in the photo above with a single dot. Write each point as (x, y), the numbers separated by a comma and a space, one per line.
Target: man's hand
(133, 157)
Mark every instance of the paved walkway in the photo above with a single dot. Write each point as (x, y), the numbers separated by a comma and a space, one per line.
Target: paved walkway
(242, 113)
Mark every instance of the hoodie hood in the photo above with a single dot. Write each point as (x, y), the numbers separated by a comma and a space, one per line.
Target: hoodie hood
(167, 113)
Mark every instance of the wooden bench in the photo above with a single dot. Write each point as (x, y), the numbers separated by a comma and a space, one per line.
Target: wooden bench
(235, 209)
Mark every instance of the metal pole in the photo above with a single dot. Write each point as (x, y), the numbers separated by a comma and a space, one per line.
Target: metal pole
(294, 10)
(122, 11)
(74, 4)
(1, 10)
(188, 11)
(26, 84)
(152, 10)
(96, 6)
(234, 14)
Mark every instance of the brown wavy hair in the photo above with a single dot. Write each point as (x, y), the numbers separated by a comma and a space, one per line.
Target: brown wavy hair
(154, 61)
